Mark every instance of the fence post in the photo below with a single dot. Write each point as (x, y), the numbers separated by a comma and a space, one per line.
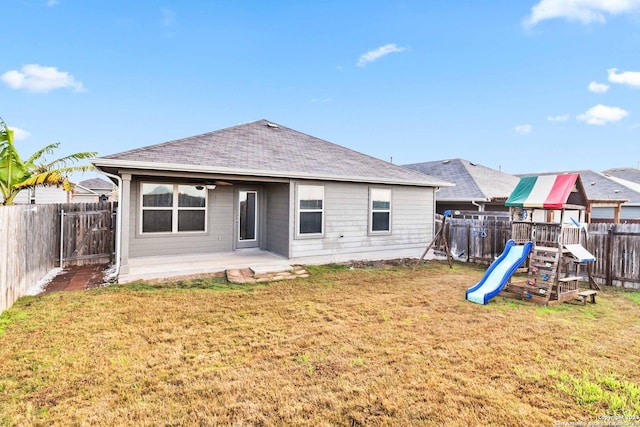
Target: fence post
(609, 255)
(61, 238)
(468, 230)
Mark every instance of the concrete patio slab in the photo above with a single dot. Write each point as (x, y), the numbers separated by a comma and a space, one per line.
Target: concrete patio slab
(167, 267)
(259, 261)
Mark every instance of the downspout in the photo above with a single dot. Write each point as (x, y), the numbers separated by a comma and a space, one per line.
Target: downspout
(476, 204)
(433, 214)
(118, 220)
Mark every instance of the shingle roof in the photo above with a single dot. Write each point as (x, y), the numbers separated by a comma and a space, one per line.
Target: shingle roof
(96, 184)
(628, 174)
(472, 181)
(264, 148)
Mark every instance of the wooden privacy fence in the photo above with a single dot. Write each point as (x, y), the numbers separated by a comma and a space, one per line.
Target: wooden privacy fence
(615, 246)
(31, 244)
(617, 251)
(28, 248)
(478, 240)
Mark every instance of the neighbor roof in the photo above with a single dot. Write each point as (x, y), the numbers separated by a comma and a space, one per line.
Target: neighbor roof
(628, 174)
(473, 182)
(96, 184)
(264, 148)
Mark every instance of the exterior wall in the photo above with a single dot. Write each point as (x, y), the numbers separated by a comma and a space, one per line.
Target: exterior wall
(217, 238)
(627, 212)
(93, 196)
(44, 195)
(85, 198)
(277, 219)
(22, 198)
(346, 220)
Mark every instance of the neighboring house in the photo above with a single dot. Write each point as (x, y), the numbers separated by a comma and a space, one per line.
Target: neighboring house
(607, 199)
(262, 185)
(42, 195)
(477, 188)
(94, 190)
(628, 174)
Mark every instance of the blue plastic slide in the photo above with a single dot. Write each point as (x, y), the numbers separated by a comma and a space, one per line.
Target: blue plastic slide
(499, 272)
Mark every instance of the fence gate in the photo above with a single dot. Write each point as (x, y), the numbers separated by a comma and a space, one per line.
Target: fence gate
(87, 236)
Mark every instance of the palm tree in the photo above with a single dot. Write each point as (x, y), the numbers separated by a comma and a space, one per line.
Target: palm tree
(17, 174)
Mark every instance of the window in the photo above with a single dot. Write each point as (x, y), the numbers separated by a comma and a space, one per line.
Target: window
(173, 208)
(310, 209)
(380, 218)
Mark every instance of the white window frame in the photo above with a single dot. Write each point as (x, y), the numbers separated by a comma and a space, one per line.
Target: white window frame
(300, 210)
(175, 209)
(373, 210)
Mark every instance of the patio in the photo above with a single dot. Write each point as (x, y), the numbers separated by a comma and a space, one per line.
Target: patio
(259, 261)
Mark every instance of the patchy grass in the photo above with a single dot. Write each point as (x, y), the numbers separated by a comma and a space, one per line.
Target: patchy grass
(347, 346)
(631, 295)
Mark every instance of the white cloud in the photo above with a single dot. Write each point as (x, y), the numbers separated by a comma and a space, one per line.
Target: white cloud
(19, 134)
(598, 87)
(631, 78)
(168, 17)
(36, 78)
(52, 3)
(583, 11)
(378, 53)
(602, 114)
(562, 118)
(523, 129)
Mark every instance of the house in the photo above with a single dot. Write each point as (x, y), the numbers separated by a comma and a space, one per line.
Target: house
(264, 186)
(628, 174)
(477, 188)
(629, 178)
(42, 195)
(607, 199)
(94, 190)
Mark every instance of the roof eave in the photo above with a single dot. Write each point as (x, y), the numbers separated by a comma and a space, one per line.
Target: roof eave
(177, 167)
(463, 200)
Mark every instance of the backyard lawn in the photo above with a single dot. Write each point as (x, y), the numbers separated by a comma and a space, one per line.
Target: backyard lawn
(344, 347)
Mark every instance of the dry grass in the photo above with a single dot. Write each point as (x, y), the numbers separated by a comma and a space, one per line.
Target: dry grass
(347, 347)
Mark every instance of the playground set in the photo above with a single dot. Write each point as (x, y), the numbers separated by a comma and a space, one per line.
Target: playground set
(549, 239)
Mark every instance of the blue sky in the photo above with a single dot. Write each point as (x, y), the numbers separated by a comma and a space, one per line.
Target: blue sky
(521, 86)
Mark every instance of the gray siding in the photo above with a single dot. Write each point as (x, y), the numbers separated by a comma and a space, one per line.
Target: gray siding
(218, 238)
(277, 219)
(347, 221)
(630, 212)
(44, 195)
(627, 212)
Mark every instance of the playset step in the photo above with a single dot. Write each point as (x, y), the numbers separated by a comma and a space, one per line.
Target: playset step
(588, 293)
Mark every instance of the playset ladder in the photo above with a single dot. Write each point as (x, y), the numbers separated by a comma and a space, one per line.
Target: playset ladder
(542, 274)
